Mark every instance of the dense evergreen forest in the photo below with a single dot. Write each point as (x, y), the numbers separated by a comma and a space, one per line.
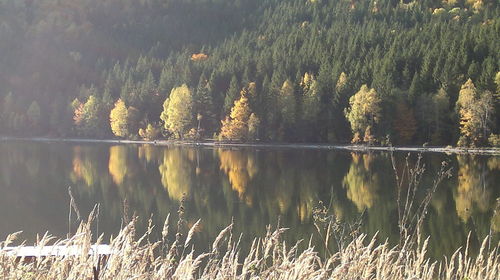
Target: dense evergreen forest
(404, 72)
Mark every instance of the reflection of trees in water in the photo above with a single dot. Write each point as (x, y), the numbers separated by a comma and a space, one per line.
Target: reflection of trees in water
(147, 152)
(84, 166)
(31, 180)
(494, 166)
(307, 195)
(118, 163)
(240, 168)
(177, 171)
(361, 182)
(26, 159)
(494, 163)
(471, 194)
(462, 206)
(257, 187)
(495, 221)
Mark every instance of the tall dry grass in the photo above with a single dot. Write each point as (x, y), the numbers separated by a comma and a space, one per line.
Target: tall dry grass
(135, 257)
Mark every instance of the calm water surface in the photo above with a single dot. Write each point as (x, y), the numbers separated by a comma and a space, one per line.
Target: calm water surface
(256, 186)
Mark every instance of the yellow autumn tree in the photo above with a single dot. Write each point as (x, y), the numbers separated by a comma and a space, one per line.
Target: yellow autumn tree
(118, 119)
(235, 127)
(475, 109)
(341, 82)
(149, 133)
(364, 110)
(178, 111)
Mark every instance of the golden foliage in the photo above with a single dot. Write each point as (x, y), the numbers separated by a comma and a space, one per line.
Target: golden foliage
(78, 112)
(475, 109)
(364, 109)
(178, 111)
(199, 57)
(306, 81)
(235, 127)
(341, 82)
(118, 119)
(149, 133)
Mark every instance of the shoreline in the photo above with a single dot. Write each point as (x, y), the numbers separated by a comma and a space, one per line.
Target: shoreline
(346, 147)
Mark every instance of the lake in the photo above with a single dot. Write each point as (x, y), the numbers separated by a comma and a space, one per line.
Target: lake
(254, 186)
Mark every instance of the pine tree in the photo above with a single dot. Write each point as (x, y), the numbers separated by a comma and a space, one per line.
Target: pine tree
(34, 114)
(7, 110)
(441, 114)
(404, 123)
(166, 81)
(253, 127)
(204, 107)
(231, 94)
(87, 117)
(287, 103)
(311, 102)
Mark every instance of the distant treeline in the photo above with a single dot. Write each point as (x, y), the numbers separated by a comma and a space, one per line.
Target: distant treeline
(401, 72)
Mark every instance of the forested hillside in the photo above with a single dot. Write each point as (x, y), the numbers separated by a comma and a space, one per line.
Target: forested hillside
(405, 72)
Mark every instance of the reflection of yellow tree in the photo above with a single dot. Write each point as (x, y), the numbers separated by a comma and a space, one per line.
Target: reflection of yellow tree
(470, 194)
(240, 168)
(118, 163)
(33, 166)
(495, 221)
(361, 183)
(83, 168)
(282, 192)
(146, 152)
(307, 197)
(176, 173)
(494, 163)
